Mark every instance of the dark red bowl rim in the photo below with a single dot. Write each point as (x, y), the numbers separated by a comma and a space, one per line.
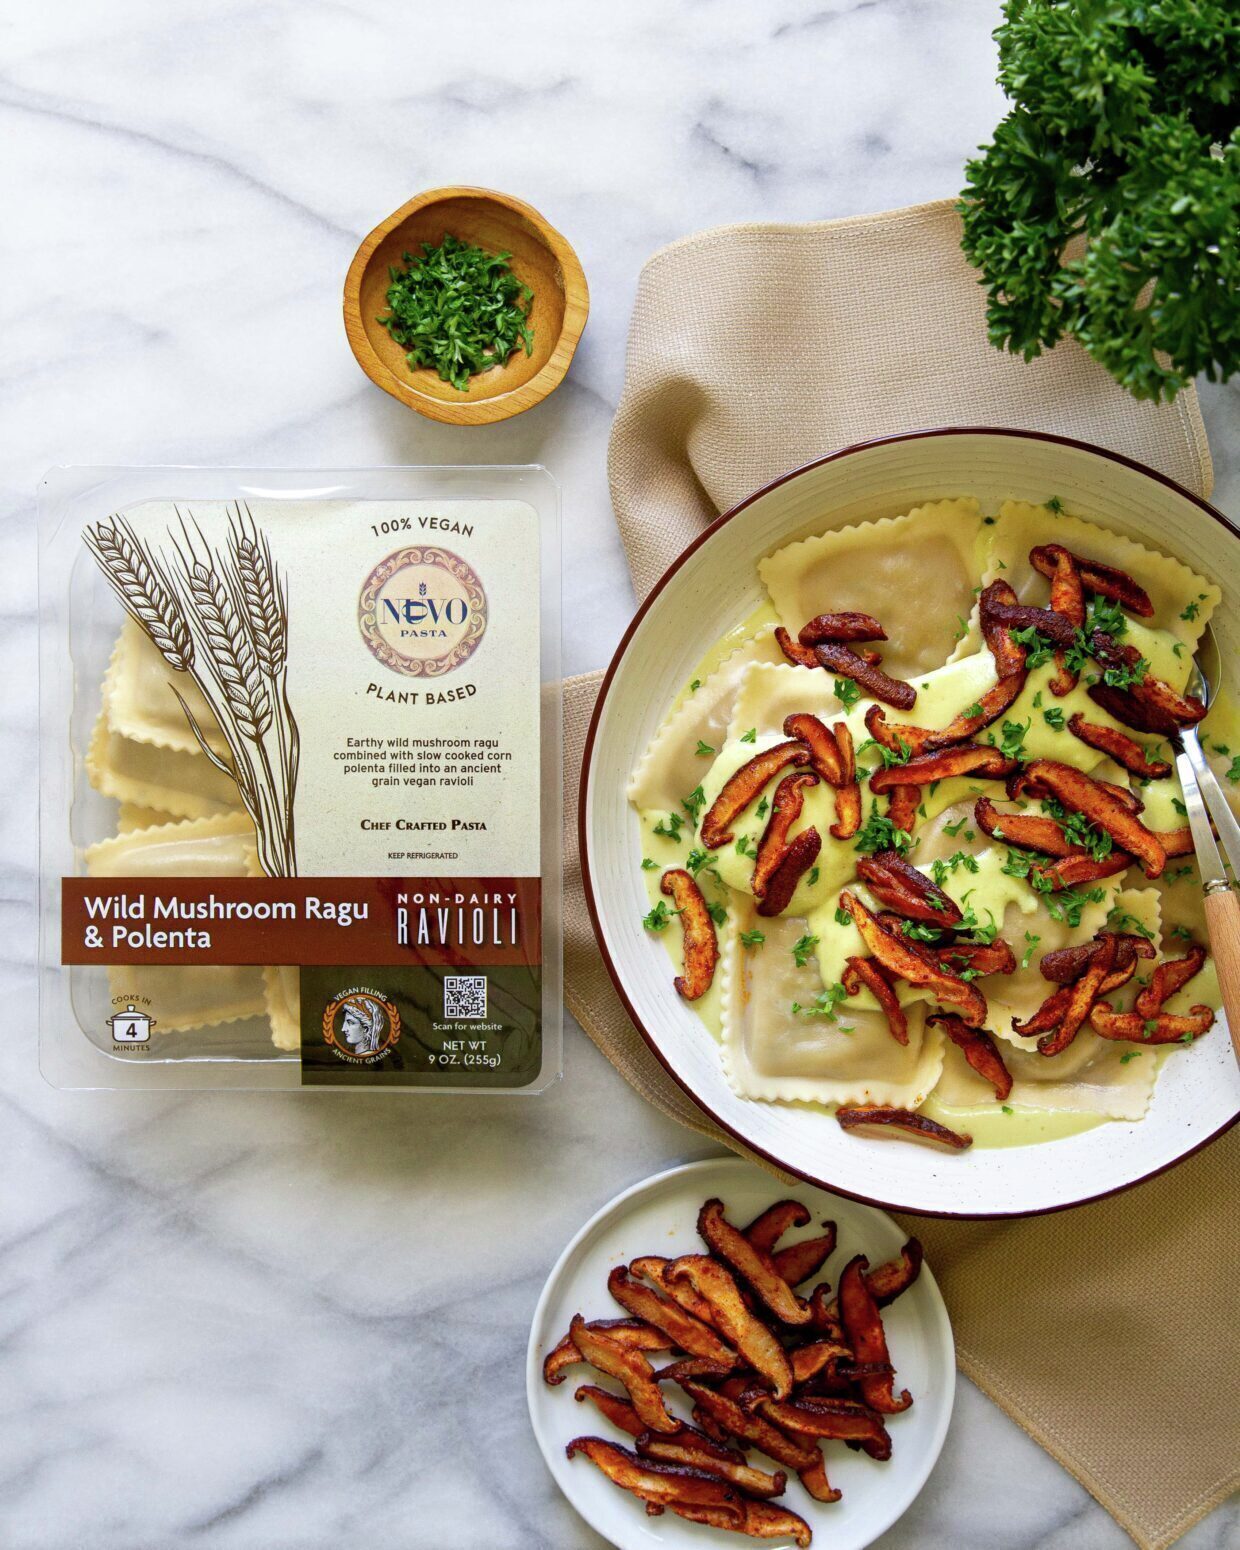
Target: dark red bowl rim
(588, 753)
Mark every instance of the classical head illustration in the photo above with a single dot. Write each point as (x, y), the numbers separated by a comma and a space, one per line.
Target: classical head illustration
(363, 1023)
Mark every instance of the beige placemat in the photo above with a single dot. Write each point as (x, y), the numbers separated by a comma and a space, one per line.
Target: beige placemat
(1108, 1332)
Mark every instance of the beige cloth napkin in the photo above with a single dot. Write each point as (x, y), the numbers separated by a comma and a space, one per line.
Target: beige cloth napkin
(1109, 1331)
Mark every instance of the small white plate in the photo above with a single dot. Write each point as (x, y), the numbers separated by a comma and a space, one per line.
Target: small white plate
(658, 1216)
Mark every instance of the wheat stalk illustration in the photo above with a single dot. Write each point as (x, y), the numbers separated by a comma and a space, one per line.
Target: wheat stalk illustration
(221, 617)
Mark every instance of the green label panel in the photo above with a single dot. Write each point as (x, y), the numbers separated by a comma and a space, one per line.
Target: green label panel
(420, 1026)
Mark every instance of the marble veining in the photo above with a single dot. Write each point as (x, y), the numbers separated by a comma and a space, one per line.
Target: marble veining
(285, 1323)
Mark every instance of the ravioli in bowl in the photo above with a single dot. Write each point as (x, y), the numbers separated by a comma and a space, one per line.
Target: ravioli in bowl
(912, 851)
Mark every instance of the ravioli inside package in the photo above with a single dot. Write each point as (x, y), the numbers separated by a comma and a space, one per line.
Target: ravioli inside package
(301, 779)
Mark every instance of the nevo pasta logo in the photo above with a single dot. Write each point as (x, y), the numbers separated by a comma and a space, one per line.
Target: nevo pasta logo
(422, 611)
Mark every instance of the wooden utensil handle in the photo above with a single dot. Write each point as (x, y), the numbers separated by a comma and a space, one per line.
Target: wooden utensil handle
(1223, 920)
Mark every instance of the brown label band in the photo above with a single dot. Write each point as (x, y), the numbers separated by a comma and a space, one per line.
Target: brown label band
(450, 921)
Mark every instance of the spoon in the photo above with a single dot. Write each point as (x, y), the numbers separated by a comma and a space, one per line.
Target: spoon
(1204, 798)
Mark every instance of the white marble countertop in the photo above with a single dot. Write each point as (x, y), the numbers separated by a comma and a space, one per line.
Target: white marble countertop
(279, 1323)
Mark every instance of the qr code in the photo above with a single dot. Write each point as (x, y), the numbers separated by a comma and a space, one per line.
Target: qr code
(465, 995)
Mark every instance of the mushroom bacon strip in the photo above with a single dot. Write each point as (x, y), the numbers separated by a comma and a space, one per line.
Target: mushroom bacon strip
(744, 787)
(1164, 1028)
(886, 1282)
(801, 1260)
(1052, 1011)
(1023, 616)
(1067, 600)
(902, 888)
(660, 1484)
(798, 655)
(656, 1270)
(1080, 998)
(903, 960)
(848, 792)
(920, 1126)
(902, 807)
(1009, 655)
(765, 1231)
(735, 1322)
(1103, 580)
(1024, 830)
(990, 706)
(627, 1332)
(1149, 704)
(630, 1367)
(1021, 784)
(1079, 869)
(864, 1325)
(833, 761)
(758, 1520)
(979, 1049)
(793, 864)
(755, 1265)
(785, 810)
(723, 1408)
(1119, 746)
(1087, 797)
(964, 759)
(841, 627)
(682, 1329)
(878, 685)
(864, 973)
(1066, 964)
(982, 958)
(695, 1449)
(1168, 977)
(841, 1420)
(701, 945)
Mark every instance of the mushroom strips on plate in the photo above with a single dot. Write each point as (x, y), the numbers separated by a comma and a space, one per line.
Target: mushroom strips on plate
(796, 1376)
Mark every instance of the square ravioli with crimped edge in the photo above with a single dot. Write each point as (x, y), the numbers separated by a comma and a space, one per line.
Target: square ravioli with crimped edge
(781, 1042)
(925, 563)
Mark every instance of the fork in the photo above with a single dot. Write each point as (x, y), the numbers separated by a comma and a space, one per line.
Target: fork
(1204, 798)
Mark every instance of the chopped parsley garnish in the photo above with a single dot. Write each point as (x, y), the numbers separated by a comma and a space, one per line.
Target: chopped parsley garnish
(458, 310)
(1233, 774)
(1078, 830)
(1179, 873)
(879, 833)
(920, 930)
(746, 847)
(814, 873)
(1182, 932)
(802, 949)
(751, 736)
(752, 939)
(940, 870)
(846, 692)
(697, 859)
(695, 686)
(890, 756)
(1179, 807)
(1191, 612)
(694, 802)
(1120, 919)
(824, 1003)
(718, 913)
(1149, 1026)
(1032, 940)
(1066, 905)
(1129, 1054)
(1054, 718)
(659, 917)
(762, 808)
(962, 628)
(972, 710)
(648, 865)
(1012, 738)
(670, 827)
(1054, 504)
(1037, 700)
(1007, 1108)
(954, 828)
(988, 521)
(842, 917)
(703, 749)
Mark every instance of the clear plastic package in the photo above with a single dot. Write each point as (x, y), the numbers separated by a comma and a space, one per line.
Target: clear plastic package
(301, 786)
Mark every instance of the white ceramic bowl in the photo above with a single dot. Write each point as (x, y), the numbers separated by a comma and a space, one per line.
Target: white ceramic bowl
(712, 587)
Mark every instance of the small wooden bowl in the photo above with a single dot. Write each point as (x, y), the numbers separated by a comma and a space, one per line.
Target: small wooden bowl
(541, 259)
